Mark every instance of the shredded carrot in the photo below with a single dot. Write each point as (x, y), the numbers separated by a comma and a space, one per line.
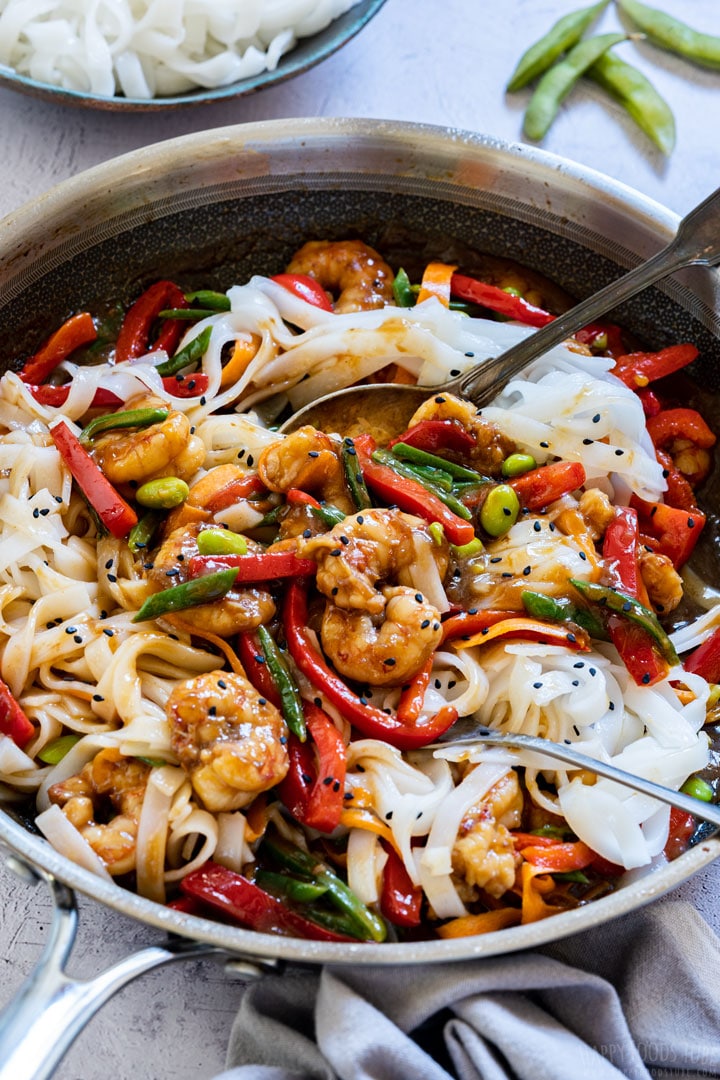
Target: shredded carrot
(535, 884)
(229, 654)
(359, 819)
(436, 282)
(521, 627)
(484, 923)
(257, 816)
(245, 350)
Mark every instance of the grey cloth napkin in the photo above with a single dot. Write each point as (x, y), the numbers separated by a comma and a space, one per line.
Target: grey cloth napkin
(637, 998)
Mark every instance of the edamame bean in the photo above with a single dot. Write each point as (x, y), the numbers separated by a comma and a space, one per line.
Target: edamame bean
(672, 34)
(221, 542)
(638, 97)
(561, 36)
(163, 494)
(557, 83)
(517, 464)
(698, 788)
(500, 510)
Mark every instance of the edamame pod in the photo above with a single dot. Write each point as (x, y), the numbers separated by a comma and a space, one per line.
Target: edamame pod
(638, 97)
(561, 36)
(672, 34)
(557, 83)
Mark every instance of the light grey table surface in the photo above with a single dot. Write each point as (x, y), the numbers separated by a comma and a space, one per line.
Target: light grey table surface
(420, 60)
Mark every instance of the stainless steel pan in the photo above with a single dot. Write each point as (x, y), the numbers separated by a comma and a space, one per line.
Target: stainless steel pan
(213, 208)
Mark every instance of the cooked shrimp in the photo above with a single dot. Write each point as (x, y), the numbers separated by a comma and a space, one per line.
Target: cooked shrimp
(243, 608)
(167, 448)
(360, 277)
(383, 651)
(230, 741)
(662, 581)
(484, 852)
(307, 459)
(492, 447)
(597, 511)
(366, 548)
(110, 779)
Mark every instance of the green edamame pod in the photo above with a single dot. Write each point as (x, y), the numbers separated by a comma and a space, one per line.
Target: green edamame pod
(141, 418)
(557, 83)
(189, 354)
(638, 97)
(672, 34)
(561, 36)
(162, 494)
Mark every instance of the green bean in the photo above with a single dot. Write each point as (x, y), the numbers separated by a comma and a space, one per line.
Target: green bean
(187, 314)
(163, 494)
(386, 457)
(559, 80)
(621, 604)
(221, 542)
(189, 354)
(141, 418)
(517, 464)
(500, 510)
(55, 751)
(560, 609)
(561, 36)
(698, 788)
(421, 457)
(290, 700)
(208, 298)
(200, 590)
(353, 476)
(438, 477)
(638, 97)
(141, 535)
(402, 290)
(304, 892)
(672, 34)
(329, 515)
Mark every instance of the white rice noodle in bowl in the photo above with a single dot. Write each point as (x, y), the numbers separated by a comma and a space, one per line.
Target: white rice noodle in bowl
(113, 699)
(154, 48)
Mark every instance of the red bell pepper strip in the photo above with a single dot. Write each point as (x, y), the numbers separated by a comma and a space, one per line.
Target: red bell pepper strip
(637, 652)
(669, 530)
(620, 550)
(409, 495)
(237, 489)
(680, 424)
(650, 401)
(75, 332)
(496, 299)
(637, 369)
(679, 492)
(297, 497)
(413, 696)
(13, 721)
(468, 623)
(558, 858)
(239, 899)
(305, 288)
(705, 660)
(263, 566)
(314, 788)
(434, 435)
(56, 396)
(605, 337)
(682, 826)
(369, 720)
(135, 334)
(400, 900)
(540, 487)
(117, 516)
(256, 669)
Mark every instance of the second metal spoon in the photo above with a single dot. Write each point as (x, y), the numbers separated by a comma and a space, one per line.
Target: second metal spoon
(696, 243)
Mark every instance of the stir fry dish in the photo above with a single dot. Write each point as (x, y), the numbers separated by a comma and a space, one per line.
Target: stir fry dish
(228, 653)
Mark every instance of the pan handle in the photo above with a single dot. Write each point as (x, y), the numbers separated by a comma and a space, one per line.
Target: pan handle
(38, 1027)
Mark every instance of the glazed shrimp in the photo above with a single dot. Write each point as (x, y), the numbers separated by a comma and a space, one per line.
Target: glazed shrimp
(492, 447)
(109, 779)
(387, 651)
(307, 459)
(229, 740)
(367, 548)
(167, 448)
(484, 853)
(360, 277)
(243, 608)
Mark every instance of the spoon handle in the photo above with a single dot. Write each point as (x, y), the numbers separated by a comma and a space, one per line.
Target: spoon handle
(696, 242)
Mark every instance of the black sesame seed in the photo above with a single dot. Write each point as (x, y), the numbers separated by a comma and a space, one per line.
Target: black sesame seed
(335, 551)
(537, 526)
(576, 729)
(439, 400)
(335, 590)
(583, 556)
(437, 684)
(470, 354)
(360, 519)
(109, 632)
(172, 573)
(496, 559)
(611, 706)
(98, 697)
(313, 453)
(588, 442)
(545, 445)
(596, 418)
(419, 597)
(327, 781)
(571, 638)
(580, 664)
(307, 533)
(619, 453)
(71, 629)
(390, 662)
(388, 816)
(537, 686)
(592, 671)
(336, 785)
(424, 624)
(78, 640)
(112, 578)
(646, 678)
(690, 521)
(36, 513)
(222, 684)
(576, 682)
(506, 573)
(44, 512)
(527, 570)
(344, 540)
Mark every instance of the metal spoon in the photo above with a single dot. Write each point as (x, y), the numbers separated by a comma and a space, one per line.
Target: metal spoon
(696, 243)
(482, 736)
